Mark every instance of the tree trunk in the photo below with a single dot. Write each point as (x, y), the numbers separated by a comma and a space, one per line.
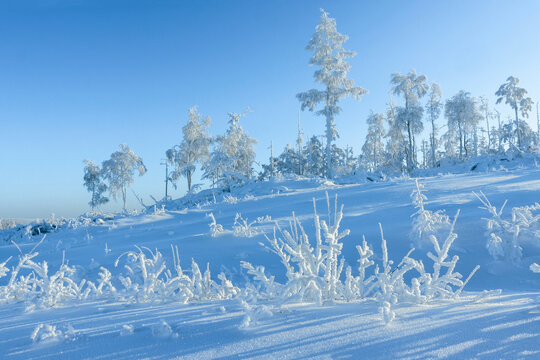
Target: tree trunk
(517, 128)
(432, 142)
(93, 198)
(409, 155)
(461, 141)
(329, 136)
(188, 176)
(124, 197)
(488, 134)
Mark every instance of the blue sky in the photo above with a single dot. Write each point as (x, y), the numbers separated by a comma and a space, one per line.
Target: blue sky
(80, 77)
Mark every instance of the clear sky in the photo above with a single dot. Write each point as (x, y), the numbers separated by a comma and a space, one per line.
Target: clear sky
(77, 78)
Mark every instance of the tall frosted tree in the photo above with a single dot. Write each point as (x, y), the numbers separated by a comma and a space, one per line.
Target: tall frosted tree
(93, 181)
(299, 142)
(514, 96)
(463, 116)
(412, 87)
(433, 110)
(193, 149)
(395, 140)
(119, 170)
(484, 109)
(330, 56)
(373, 148)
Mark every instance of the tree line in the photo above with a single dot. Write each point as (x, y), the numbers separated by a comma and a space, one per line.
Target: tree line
(393, 142)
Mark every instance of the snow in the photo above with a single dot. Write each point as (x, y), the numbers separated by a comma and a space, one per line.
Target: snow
(476, 325)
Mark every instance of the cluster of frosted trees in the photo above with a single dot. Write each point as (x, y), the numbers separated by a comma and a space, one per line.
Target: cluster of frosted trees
(393, 140)
(114, 175)
(224, 160)
(406, 135)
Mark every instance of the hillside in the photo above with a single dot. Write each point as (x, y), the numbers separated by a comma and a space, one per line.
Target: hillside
(497, 326)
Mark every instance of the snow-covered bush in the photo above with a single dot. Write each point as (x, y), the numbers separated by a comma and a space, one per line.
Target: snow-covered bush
(229, 199)
(313, 274)
(159, 210)
(264, 219)
(425, 222)
(506, 234)
(148, 279)
(314, 271)
(439, 284)
(31, 282)
(215, 228)
(45, 333)
(244, 228)
(254, 312)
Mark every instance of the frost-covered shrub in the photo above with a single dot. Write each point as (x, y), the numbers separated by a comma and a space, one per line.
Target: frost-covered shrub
(506, 234)
(440, 283)
(229, 199)
(313, 274)
(244, 228)
(159, 210)
(264, 219)
(45, 333)
(254, 312)
(315, 271)
(31, 282)
(148, 279)
(425, 222)
(215, 228)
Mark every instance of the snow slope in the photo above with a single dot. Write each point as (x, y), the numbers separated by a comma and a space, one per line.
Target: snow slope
(500, 326)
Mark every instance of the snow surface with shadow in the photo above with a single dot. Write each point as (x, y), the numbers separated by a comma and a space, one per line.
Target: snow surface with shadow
(501, 326)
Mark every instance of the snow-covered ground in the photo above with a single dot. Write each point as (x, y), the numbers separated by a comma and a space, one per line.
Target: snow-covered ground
(504, 325)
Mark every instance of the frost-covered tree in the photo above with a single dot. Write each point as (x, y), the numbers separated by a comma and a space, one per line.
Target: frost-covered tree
(514, 96)
(214, 168)
(287, 162)
(339, 160)
(412, 87)
(93, 181)
(119, 170)
(528, 136)
(451, 144)
(484, 109)
(395, 140)
(373, 148)
(463, 115)
(314, 155)
(233, 155)
(299, 142)
(350, 160)
(193, 149)
(494, 139)
(433, 110)
(330, 56)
